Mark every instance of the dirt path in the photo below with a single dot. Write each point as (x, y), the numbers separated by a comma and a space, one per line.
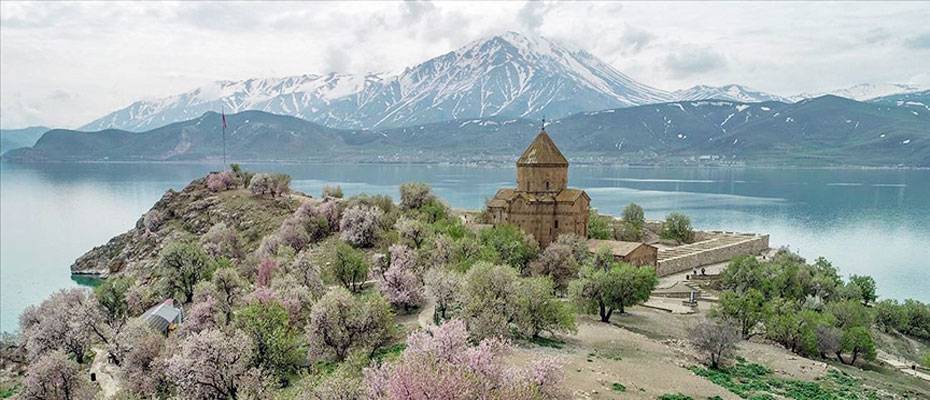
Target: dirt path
(905, 367)
(105, 374)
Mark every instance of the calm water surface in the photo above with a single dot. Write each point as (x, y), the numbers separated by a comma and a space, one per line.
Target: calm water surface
(873, 222)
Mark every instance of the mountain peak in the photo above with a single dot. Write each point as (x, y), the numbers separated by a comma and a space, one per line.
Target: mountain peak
(508, 74)
(730, 92)
(866, 91)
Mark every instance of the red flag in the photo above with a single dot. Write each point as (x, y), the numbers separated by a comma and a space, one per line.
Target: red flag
(224, 120)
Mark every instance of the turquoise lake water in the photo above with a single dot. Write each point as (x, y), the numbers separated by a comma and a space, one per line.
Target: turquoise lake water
(874, 222)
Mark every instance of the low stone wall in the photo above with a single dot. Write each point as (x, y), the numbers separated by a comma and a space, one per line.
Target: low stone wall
(752, 244)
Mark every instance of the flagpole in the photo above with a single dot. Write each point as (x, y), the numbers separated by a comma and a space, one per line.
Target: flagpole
(224, 137)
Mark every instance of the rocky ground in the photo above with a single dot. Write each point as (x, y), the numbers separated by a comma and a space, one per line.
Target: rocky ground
(188, 213)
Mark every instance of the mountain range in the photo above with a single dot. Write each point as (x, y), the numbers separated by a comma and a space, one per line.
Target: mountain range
(508, 75)
(824, 131)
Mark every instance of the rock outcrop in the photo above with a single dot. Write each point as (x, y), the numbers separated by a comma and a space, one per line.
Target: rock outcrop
(187, 215)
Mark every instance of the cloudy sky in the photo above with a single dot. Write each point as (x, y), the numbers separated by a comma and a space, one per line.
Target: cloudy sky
(65, 64)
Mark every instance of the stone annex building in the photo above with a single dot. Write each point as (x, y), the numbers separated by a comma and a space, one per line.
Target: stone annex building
(542, 204)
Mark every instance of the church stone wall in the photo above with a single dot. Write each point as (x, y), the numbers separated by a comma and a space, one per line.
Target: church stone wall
(541, 178)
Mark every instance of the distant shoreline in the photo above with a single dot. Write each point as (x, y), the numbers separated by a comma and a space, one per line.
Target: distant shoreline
(474, 164)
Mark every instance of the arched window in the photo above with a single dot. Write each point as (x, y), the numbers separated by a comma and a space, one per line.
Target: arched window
(556, 224)
(547, 185)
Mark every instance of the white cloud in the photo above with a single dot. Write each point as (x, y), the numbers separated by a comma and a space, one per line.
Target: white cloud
(64, 64)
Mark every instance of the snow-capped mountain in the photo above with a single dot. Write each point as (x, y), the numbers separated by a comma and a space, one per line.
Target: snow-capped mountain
(730, 92)
(506, 75)
(865, 91)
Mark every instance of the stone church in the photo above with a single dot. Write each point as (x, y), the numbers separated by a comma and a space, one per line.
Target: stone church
(542, 204)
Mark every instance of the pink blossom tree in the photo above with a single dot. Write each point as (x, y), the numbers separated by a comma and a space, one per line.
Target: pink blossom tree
(68, 320)
(211, 364)
(222, 241)
(398, 283)
(220, 181)
(439, 363)
(361, 225)
(142, 371)
(558, 262)
(203, 315)
(54, 376)
(308, 274)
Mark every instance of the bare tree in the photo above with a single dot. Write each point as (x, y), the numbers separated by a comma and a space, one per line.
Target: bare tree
(715, 338)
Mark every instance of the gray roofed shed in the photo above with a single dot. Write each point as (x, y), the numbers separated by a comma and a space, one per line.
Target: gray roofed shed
(164, 316)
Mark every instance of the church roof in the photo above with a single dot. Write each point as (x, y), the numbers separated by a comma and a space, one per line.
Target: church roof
(503, 197)
(617, 247)
(542, 151)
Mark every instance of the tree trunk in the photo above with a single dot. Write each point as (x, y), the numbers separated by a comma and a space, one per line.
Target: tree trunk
(605, 314)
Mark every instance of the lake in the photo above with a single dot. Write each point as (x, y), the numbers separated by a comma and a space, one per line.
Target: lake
(874, 222)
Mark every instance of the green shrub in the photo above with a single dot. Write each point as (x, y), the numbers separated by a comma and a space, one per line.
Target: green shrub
(677, 227)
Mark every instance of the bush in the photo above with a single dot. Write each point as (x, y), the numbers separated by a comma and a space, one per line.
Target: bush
(274, 185)
(677, 227)
(220, 181)
(360, 226)
(332, 191)
(715, 338)
(341, 323)
(415, 195)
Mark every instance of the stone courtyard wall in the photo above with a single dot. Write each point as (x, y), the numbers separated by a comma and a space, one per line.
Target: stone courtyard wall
(751, 245)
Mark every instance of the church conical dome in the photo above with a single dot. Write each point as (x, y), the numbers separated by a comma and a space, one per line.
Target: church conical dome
(542, 151)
